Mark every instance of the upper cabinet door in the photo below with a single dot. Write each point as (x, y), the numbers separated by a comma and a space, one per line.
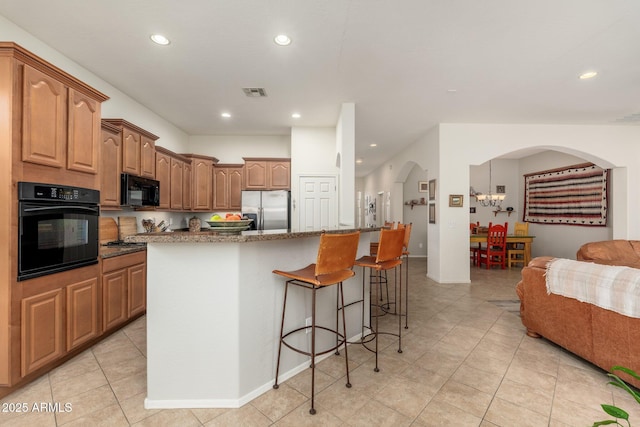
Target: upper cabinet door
(110, 167)
(83, 133)
(279, 175)
(44, 120)
(147, 157)
(131, 151)
(255, 175)
(163, 174)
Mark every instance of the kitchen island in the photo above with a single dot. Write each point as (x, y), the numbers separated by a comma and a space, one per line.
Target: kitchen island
(214, 309)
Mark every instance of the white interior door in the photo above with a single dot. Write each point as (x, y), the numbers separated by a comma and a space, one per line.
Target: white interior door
(318, 206)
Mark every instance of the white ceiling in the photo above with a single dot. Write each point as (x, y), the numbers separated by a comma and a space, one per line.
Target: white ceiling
(397, 60)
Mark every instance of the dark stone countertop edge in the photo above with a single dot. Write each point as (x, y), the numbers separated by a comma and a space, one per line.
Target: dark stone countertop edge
(113, 251)
(245, 236)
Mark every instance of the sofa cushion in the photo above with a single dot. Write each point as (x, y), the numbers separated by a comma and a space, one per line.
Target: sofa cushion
(610, 252)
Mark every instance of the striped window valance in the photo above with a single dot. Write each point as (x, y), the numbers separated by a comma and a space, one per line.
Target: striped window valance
(573, 195)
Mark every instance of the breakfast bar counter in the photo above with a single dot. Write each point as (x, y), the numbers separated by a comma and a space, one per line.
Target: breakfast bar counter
(214, 309)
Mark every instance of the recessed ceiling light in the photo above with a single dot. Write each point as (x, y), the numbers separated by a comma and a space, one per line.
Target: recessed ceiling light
(295, 115)
(588, 75)
(160, 39)
(373, 145)
(226, 115)
(359, 161)
(282, 40)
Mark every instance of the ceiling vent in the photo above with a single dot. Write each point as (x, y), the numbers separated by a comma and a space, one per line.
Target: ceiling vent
(254, 92)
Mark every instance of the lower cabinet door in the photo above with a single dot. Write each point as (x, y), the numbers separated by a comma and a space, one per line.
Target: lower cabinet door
(137, 289)
(114, 298)
(42, 330)
(82, 312)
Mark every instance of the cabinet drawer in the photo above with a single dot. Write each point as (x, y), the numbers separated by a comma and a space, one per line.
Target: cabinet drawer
(123, 261)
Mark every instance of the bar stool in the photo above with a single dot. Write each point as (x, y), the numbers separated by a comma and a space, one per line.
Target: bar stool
(334, 264)
(387, 258)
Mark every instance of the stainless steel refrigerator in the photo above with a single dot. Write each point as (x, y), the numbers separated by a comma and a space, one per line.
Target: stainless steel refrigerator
(268, 209)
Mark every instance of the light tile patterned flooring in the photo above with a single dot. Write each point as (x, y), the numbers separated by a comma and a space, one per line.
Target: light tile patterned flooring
(466, 362)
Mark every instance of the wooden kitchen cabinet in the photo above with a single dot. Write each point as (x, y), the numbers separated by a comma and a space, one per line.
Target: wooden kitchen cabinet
(279, 175)
(201, 181)
(59, 313)
(267, 174)
(136, 289)
(170, 172)
(187, 187)
(176, 182)
(83, 138)
(42, 334)
(163, 175)
(124, 288)
(138, 149)
(44, 119)
(110, 166)
(51, 132)
(60, 123)
(227, 186)
(114, 298)
(83, 323)
(131, 151)
(147, 156)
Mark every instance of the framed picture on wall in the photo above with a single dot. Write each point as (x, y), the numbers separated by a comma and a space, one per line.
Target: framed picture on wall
(432, 189)
(432, 213)
(455, 200)
(423, 186)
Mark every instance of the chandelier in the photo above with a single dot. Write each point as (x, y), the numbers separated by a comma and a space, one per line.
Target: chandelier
(492, 200)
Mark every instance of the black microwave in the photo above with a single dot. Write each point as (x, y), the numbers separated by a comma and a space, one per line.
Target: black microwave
(138, 191)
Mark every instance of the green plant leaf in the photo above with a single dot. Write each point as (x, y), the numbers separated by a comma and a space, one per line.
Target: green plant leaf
(626, 370)
(604, 423)
(614, 411)
(621, 384)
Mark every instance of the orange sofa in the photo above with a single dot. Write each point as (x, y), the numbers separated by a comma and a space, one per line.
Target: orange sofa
(603, 337)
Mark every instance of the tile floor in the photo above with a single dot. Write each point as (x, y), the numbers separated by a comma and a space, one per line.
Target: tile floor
(466, 362)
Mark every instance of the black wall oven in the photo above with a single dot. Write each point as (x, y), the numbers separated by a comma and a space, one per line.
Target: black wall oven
(58, 228)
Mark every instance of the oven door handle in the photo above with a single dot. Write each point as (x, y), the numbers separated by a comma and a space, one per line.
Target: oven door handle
(57, 208)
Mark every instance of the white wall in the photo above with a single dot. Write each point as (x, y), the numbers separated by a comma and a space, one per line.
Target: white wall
(232, 148)
(346, 162)
(417, 215)
(313, 152)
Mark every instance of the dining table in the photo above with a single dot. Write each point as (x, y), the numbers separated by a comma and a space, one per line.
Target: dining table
(511, 238)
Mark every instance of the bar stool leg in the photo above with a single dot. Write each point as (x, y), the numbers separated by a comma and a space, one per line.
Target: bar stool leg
(344, 331)
(284, 305)
(399, 308)
(312, 411)
(378, 308)
(406, 297)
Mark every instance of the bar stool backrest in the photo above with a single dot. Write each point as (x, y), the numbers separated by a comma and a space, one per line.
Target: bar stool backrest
(336, 252)
(407, 234)
(390, 246)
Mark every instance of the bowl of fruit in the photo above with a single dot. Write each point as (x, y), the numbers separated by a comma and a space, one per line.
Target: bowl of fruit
(230, 220)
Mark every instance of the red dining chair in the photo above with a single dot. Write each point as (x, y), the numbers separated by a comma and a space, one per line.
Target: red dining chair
(496, 251)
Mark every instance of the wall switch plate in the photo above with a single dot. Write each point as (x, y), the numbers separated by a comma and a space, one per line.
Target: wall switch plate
(307, 322)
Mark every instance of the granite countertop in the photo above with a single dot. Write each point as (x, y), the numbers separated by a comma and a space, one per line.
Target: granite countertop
(215, 236)
(113, 251)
